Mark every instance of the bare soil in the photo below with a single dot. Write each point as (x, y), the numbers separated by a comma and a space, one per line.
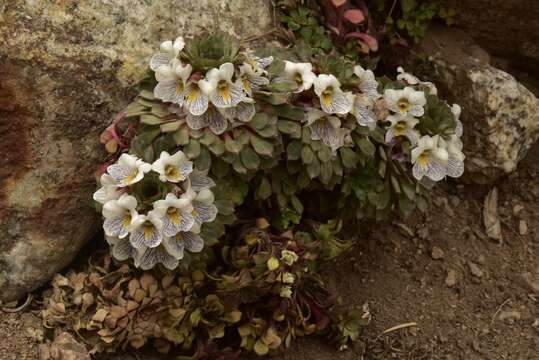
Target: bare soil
(469, 295)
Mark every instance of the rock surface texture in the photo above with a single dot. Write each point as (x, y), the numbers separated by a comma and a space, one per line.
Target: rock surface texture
(500, 116)
(508, 29)
(65, 68)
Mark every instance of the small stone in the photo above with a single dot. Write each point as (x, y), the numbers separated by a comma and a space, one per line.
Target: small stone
(517, 209)
(510, 315)
(475, 270)
(451, 278)
(522, 227)
(437, 253)
(481, 259)
(532, 281)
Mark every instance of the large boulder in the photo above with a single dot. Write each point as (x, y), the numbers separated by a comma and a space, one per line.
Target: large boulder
(505, 28)
(500, 115)
(65, 68)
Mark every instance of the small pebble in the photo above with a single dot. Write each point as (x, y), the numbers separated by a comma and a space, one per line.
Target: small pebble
(437, 253)
(522, 227)
(475, 270)
(451, 279)
(517, 209)
(510, 315)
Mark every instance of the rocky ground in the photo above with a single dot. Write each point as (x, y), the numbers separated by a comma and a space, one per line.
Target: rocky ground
(470, 297)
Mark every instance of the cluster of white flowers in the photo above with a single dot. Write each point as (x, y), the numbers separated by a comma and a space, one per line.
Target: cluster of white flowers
(214, 99)
(433, 157)
(162, 234)
(335, 104)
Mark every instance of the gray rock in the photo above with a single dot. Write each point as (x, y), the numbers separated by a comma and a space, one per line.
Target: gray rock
(65, 69)
(500, 116)
(506, 29)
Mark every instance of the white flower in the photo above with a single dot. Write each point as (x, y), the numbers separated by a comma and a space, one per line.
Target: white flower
(118, 215)
(146, 258)
(172, 80)
(410, 79)
(362, 109)
(176, 214)
(455, 161)
(251, 80)
(199, 181)
(212, 118)
(402, 126)
(146, 230)
(108, 190)
(169, 51)
(456, 110)
(287, 278)
(175, 245)
(406, 101)
(286, 291)
(129, 170)
(121, 248)
(326, 128)
(289, 257)
(259, 64)
(301, 73)
(222, 92)
(203, 208)
(332, 99)
(429, 159)
(367, 82)
(173, 168)
(196, 97)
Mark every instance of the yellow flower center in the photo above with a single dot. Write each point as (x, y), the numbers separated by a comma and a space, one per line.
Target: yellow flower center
(126, 219)
(174, 216)
(400, 128)
(223, 89)
(403, 104)
(131, 177)
(194, 93)
(327, 96)
(424, 158)
(172, 172)
(298, 79)
(148, 229)
(179, 87)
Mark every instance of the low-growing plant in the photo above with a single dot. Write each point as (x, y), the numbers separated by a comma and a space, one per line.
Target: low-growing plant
(226, 185)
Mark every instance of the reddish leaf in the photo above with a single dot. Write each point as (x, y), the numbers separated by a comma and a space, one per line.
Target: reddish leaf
(355, 16)
(338, 3)
(366, 39)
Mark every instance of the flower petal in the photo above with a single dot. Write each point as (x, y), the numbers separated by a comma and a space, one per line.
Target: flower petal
(193, 242)
(122, 250)
(159, 59)
(204, 212)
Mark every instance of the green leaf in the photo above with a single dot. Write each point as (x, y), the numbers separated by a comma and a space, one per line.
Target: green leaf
(290, 112)
(264, 189)
(289, 127)
(296, 204)
(181, 136)
(307, 155)
(192, 149)
(203, 161)
(232, 146)
(150, 119)
(217, 147)
(313, 169)
(261, 146)
(259, 121)
(366, 146)
(293, 150)
(349, 157)
(142, 143)
(250, 159)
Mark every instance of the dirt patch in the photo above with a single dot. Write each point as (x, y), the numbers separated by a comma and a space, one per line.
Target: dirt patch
(471, 297)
